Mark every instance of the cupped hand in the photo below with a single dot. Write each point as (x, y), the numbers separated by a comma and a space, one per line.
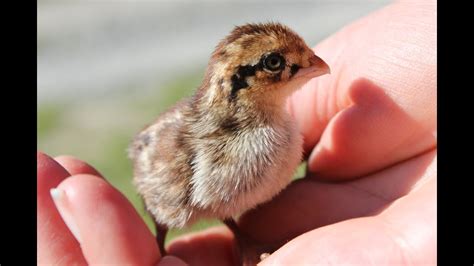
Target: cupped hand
(369, 195)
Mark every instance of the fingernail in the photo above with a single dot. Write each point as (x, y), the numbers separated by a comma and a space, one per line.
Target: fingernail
(60, 199)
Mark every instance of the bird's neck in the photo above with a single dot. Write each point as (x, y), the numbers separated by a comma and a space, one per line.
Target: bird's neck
(225, 116)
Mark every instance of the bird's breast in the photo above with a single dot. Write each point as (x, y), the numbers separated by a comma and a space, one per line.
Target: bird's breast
(233, 173)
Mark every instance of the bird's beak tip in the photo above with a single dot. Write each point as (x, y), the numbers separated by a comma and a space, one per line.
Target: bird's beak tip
(319, 63)
(317, 67)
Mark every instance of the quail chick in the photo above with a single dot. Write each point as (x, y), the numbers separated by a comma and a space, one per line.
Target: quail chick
(232, 145)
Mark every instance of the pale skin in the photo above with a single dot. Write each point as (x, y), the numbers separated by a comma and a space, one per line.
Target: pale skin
(370, 126)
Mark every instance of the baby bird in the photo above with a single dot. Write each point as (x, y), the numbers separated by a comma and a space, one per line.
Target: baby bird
(232, 145)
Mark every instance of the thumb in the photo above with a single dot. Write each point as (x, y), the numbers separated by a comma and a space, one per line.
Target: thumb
(378, 107)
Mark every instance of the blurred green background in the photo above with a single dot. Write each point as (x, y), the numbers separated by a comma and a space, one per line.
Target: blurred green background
(107, 68)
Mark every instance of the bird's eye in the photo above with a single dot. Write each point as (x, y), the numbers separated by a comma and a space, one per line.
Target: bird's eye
(273, 62)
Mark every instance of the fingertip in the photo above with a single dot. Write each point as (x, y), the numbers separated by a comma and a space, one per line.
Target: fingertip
(90, 189)
(111, 230)
(49, 173)
(76, 166)
(55, 243)
(41, 156)
(44, 162)
(373, 133)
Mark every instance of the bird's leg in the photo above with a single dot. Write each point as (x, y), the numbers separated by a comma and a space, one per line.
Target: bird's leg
(251, 251)
(161, 232)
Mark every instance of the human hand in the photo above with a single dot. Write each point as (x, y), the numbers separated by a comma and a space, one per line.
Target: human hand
(369, 196)
(370, 125)
(89, 222)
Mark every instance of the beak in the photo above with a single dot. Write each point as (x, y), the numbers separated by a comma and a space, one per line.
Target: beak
(316, 68)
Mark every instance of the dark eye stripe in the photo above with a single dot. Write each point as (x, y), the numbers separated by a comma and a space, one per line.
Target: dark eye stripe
(293, 69)
(238, 79)
(246, 71)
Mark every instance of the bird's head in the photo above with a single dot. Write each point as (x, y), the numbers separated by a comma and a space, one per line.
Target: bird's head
(261, 62)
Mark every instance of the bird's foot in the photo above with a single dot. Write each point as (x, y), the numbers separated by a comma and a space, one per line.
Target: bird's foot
(249, 250)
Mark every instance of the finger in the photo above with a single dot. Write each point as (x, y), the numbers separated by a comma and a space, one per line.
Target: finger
(378, 106)
(309, 204)
(55, 244)
(171, 261)
(403, 234)
(105, 223)
(213, 246)
(75, 166)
